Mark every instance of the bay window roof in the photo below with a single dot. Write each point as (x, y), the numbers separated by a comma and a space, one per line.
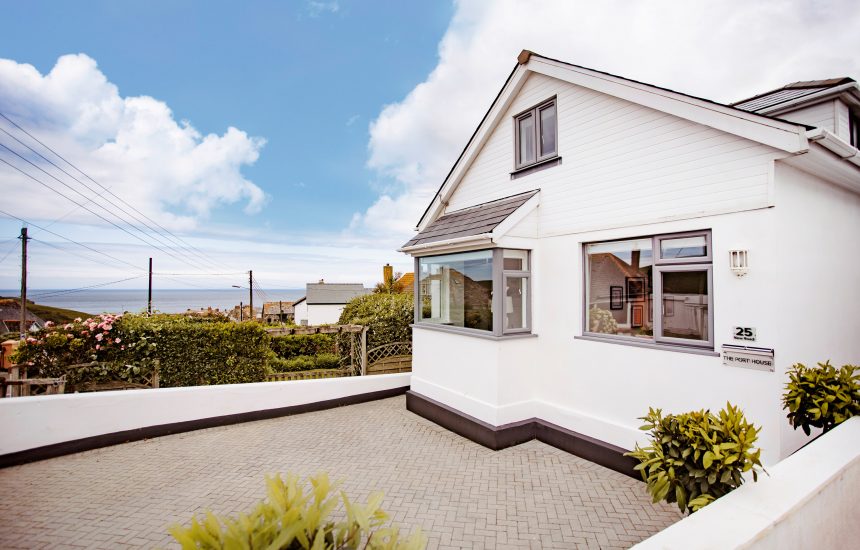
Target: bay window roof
(475, 220)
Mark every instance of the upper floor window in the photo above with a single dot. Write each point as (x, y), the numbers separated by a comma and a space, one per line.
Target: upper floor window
(536, 132)
(854, 129)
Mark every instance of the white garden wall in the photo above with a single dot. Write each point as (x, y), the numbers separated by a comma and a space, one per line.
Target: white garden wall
(31, 422)
(809, 500)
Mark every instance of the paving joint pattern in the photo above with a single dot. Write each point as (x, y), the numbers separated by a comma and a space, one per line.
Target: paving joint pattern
(461, 494)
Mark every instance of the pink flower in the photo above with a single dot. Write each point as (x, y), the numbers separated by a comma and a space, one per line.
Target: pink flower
(77, 319)
(69, 336)
(49, 324)
(93, 326)
(84, 332)
(99, 337)
(98, 347)
(108, 326)
(118, 340)
(68, 326)
(122, 347)
(31, 340)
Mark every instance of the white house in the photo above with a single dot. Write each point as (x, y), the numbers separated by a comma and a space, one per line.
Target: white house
(323, 302)
(602, 246)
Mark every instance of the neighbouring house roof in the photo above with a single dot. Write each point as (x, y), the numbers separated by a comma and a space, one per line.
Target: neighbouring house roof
(299, 301)
(475, 220)
(277, 308)
(11, 311)
(788, 93)
(334, 293)
(408, 281)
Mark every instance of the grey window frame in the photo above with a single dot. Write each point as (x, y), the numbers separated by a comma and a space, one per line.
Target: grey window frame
(658, 266)
(535, 113)
(498, 301)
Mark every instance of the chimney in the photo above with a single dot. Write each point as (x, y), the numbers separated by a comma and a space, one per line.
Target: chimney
(387, 273)
(634, 259)
(322, 281)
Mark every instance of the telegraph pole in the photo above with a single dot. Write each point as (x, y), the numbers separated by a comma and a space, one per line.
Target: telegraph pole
(149, 295)
(251, 292)
(24, 238)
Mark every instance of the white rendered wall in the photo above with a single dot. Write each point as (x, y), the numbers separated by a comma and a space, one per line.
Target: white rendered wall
(31, 422)
(301, 312)
(809, 500)
(818, 264)
(324, 314)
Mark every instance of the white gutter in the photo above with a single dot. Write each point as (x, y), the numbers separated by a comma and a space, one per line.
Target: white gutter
(835, 144)
(447, 242)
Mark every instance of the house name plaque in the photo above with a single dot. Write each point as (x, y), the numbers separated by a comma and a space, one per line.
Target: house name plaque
(748, 357)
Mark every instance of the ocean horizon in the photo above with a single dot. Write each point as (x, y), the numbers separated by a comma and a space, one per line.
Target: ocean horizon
(175, 300)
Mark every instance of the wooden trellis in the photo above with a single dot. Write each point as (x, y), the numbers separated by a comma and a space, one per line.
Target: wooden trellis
(389, 358)
(353, 336)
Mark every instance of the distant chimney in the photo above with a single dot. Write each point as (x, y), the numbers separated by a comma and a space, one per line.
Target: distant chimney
(322, 281)
(387, 273)
(634, 259)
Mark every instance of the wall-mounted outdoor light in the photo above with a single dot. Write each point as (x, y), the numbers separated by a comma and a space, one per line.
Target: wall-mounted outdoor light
(739, 262)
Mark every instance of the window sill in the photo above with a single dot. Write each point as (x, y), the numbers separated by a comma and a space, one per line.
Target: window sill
(650, 345)
(473, 332)
(536, 167)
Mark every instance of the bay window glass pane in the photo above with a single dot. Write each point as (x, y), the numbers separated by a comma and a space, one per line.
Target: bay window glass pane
(516, 300)
(684, 247)
(619, 288)
(457, 290)
(547, 130)
(685, 304)
(516, 260)
(526, 129)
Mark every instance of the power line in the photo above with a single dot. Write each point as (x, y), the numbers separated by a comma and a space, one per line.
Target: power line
(85, 208)
(176, 238)
(50, 294)
(66, 238)
(61, 249)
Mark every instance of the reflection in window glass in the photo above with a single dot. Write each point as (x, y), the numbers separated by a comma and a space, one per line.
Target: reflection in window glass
(516, 260)
(527, 139)
(619, 290)
(516, 300)
(684, 247)
(685, 304)
(547, 130)
(457, 290)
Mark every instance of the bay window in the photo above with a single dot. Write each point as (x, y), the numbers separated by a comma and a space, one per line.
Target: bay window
(483, 290)
(655, 289)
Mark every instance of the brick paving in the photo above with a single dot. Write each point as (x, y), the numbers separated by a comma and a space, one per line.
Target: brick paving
(461, 494)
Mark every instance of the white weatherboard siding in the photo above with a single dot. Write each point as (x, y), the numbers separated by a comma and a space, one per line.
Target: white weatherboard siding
(324, 314)
(641, 164)
(842, 125)
(822, 115)
(818, 264)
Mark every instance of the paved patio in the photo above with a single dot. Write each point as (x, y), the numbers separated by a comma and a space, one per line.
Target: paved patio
(461, 494)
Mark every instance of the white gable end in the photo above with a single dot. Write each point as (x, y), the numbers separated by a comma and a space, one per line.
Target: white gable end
(622, 164)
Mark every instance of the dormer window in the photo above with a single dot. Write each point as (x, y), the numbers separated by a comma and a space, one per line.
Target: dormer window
(536, 132)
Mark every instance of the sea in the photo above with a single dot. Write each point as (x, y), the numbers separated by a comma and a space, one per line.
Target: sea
(115, 301)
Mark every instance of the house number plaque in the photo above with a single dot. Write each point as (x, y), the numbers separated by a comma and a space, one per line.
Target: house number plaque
(744, 333)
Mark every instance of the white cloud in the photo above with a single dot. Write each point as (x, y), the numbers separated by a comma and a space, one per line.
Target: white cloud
(719, 50)
(133, 145)
(315, 8)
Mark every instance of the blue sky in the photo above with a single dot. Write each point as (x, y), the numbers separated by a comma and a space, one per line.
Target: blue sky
(303, 139)
(275, 69)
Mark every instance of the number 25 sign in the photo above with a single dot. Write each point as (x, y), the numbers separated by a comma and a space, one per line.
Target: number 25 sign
(744, 333)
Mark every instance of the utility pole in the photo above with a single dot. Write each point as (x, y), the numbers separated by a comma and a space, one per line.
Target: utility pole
(251, 292)
(24, 238)
(149, 295)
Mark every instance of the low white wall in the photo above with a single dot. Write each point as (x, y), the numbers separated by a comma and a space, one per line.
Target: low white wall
(31, 422)
(810, 500)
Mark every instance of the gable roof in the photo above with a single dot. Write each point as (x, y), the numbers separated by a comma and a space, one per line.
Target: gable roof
(781, 134)
(475, 220)
(407, 280)
(333, 293)
(789, 93)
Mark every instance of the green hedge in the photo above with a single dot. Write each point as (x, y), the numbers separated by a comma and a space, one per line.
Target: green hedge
(295, 345)
(387, 317)
(306, 362)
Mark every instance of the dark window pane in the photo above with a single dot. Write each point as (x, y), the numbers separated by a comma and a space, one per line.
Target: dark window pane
(548, 130)
(516, 260)
(526, 129)
(619, 290)
(457, 290)
(685, 305)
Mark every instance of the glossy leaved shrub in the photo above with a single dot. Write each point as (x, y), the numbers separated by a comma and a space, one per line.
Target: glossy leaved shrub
(697, 457)
(821, 396)
(387, 317)
(300, 516)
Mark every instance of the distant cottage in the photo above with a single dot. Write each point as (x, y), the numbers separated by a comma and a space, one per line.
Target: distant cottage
(278, 312)
(323, 302)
